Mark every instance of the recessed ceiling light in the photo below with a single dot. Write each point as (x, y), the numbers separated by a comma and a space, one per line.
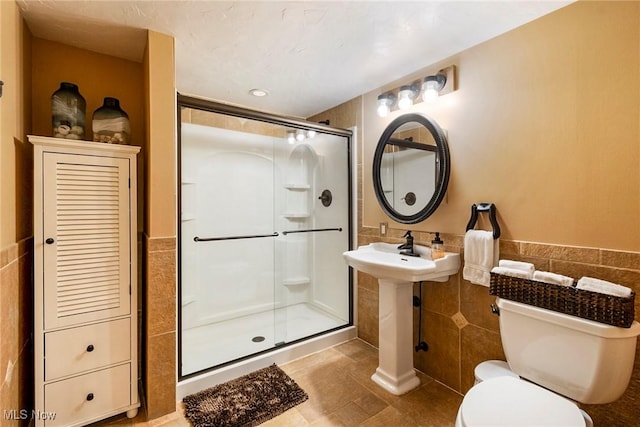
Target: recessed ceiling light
(258, 92)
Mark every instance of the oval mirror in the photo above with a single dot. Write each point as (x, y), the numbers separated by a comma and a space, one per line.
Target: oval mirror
(411, 168)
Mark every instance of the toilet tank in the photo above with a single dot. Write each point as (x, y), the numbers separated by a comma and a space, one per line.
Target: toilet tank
(586, 361)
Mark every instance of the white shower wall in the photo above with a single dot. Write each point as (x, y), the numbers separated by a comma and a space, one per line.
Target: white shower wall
(238, 184)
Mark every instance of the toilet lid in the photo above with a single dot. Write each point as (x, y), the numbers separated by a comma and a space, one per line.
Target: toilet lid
(507, 401)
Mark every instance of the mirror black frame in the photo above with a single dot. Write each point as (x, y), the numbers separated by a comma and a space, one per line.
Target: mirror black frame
(443, 169)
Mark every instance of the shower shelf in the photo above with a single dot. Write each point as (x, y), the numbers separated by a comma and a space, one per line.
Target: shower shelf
(188, 299)
(297, 187)
(187, 217)
(296, 281)
(188, 182)
(296, 215)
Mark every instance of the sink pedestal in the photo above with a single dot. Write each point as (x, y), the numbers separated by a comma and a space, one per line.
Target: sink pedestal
(395, 371)
(396, 274)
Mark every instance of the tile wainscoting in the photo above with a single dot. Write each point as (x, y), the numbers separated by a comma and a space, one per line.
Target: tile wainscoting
(16, 324)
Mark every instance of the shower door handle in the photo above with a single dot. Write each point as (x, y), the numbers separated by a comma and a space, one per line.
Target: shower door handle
(213, 239)
(311, 230)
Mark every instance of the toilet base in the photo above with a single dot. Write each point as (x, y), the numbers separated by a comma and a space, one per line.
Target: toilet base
(393, 385)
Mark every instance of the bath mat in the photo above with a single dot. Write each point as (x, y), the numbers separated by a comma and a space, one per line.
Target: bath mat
(246, 401)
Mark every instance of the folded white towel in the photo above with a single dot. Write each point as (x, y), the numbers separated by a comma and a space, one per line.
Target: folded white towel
(602, 286)
(481, 253)
(513, 272)
(556, 279)
(518, 265)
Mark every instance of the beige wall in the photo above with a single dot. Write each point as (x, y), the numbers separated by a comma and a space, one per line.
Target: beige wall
(15, 152)
(545, 125)
(159, 226)
(160, 96)
(16, 390)
(560, 159)
(96, 75)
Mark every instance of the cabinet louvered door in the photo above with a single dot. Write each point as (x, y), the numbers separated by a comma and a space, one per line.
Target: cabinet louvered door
(87, 238)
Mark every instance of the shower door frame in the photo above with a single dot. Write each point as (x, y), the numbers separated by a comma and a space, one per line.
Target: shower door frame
(184, 101)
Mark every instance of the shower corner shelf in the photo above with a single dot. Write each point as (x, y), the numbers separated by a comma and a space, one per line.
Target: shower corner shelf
(187, 182)
(187, 217)
(296, 281)
(188, 299)
(297, 187)
(296, 215)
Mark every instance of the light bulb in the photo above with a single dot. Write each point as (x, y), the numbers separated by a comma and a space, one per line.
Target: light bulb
(299, 135)
(291, 137)
(406, 94)
(311, 134)
(385, 102)
(404, 102)
(383, 110)
(430, 91)
(431, 87)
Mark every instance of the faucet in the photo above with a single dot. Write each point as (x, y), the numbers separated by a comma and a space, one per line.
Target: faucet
(407, 247)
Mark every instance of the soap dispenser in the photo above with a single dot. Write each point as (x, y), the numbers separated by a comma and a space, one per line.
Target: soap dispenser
(437, 247)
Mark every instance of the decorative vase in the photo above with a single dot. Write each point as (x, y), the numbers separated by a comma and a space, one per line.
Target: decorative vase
(67, 112)
(111, 123)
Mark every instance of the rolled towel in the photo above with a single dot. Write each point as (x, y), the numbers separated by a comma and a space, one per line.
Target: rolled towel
(517, 265)
(602, 286)
(513, 272)
(556, 279)
(481, 253)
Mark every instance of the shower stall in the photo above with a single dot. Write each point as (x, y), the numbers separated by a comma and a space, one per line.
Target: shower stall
(265, 214)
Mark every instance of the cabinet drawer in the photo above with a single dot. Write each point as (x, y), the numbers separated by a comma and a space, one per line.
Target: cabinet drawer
(88, 396)
(76, 350)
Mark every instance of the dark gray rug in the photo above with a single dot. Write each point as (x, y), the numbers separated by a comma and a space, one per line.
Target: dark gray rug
(246, 401)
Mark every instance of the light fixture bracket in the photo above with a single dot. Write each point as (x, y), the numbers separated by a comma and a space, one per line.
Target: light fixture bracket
(440, 79)
(387, 98)
(411, 90)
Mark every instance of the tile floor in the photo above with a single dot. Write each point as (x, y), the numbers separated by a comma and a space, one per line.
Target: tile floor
(341, 393)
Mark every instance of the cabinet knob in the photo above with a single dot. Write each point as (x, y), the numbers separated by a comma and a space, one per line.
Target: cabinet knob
(90, 396)
(90, 348)
(49, 241)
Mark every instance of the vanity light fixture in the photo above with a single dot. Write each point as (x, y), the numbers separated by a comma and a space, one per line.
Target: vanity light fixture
(432, 85)
(406, 95)
(300, 135)
(385, 102)
(427, 90)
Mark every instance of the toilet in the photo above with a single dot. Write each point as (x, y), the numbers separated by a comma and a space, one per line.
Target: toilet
(554, 362)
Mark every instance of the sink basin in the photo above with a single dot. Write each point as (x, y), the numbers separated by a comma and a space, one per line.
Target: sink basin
(396, 274)
(383, 261)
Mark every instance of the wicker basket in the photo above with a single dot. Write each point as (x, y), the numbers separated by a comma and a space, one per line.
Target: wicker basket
(609, 309)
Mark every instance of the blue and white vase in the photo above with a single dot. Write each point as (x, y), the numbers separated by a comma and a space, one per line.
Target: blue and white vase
(68, 109)
(111, 123)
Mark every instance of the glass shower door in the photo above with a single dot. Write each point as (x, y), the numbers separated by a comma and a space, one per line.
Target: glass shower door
(312, 210)
(228, 239)
(264, 220)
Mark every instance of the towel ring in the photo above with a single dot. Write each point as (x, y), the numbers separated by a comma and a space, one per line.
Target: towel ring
(484, 207)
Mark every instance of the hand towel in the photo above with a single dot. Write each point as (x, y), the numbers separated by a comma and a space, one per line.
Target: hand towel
(481, 253)
(602, 286)
(518, 265)
(556, 279)
(513, 272)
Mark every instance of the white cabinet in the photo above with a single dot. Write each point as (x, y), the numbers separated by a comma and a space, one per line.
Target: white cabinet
(85, 270)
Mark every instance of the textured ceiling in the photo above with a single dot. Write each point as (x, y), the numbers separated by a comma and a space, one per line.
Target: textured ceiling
(309, 55)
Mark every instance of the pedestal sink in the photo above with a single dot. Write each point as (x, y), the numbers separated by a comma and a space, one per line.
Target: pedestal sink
(396, 274)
